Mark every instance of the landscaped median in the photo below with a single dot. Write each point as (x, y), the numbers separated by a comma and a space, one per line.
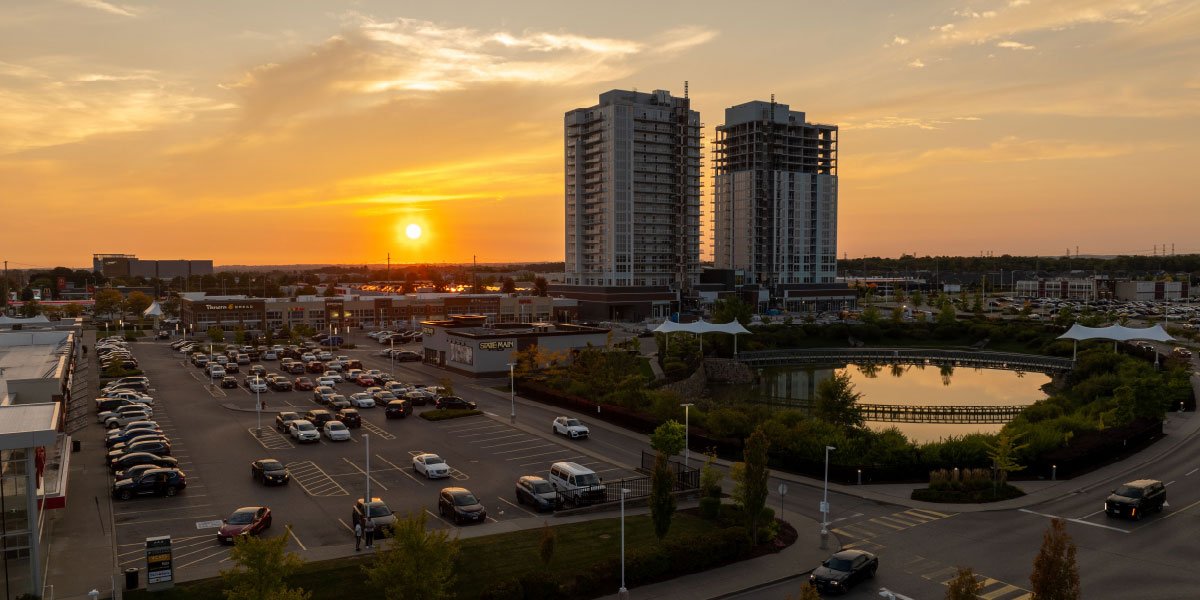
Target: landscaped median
(451, 413)
(584, 561)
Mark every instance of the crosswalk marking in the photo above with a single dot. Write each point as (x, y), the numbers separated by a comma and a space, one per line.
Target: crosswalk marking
(992, 589)
(876, 526)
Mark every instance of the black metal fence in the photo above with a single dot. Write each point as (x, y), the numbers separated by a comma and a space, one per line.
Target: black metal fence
(686, 479)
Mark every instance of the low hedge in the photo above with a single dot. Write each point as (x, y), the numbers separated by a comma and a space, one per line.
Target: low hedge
(452, 413)
(1005, 492)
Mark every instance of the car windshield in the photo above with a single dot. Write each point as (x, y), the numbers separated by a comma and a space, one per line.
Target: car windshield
(573, 423)
(241, 517)
(465, 499)
(542, 487)
(587, 479)
(336, 426)
(304, 426)
(272, 465)
(379, 509)
(838, 564)
(1129, 492)
(434, 460)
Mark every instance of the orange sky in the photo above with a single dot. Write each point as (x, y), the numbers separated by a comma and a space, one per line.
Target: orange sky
(306, 131)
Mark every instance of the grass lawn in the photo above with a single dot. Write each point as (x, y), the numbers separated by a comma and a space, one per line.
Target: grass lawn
(486, 560)
(645, 369)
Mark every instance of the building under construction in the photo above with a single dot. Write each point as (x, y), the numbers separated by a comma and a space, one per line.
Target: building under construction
(775, 197)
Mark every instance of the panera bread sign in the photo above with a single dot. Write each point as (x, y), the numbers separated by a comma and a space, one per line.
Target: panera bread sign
(230, 306)
(497, 345)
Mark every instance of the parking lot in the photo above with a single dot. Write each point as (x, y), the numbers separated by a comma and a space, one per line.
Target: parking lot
(214, 434)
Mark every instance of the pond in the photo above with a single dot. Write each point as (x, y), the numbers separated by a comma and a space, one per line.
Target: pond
(909, 385)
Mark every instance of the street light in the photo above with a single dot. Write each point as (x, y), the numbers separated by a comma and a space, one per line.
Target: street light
(367, 497)
(512, 393)
(686, 450)
(623, 593)
(258, 404)
(392, 352)
(825, 500)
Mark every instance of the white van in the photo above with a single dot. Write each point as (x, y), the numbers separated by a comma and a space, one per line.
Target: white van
(577, 483)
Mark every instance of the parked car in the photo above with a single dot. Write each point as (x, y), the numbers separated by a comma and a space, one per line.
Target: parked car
(157, 482)
(538, 493)
(280, 383)
(229, 382)
(332, 375)
(454, 402)
(570, 427)
(141, 437)
(419, 397)
(303, 383)
(133, 459)
(124, 437)
(125, 419)
(157, 446)
(256, 384)
(364, 380)
(350, 417)
(304, 431)
(461, 506)
(431, 465)
(284, 419)
(322, 393)
(382, 397)
(362, 400)
(338, 401)
(124, 409)
(381, 516)
(269, 471)
(247, 520)
(318, 417)
(1136, 498)
(397, 409)
(407, 356)
(839, 573)
(336, 431)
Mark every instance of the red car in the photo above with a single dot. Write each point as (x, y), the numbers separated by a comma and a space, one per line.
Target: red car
(365, 380)
(315, 366)
(247, 520)
(303, 383)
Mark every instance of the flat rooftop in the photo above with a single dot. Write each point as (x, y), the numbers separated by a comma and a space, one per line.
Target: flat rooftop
(28, 425)
(37, 358)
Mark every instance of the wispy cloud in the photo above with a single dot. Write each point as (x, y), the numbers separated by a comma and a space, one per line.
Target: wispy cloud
(1011, 45)
(916, 63)
(108, 7)
(897, 41)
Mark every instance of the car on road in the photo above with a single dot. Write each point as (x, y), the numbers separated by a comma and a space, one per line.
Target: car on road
(838, 573)
(350, 417)
(570, 427)
(142, 458)
(454, 402)
(362, 400)
(461, 506)
(229, 382)
(397, 409)
(285, 418)
(336, 431)
(431, 465)
(304, 431)
(269, 471)
(1136, 498)
(156, 482)
(538, 493)
(381, 516)
(304, 384)
(247, 520)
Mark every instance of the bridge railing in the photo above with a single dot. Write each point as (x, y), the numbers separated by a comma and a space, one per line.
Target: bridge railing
(999, 360)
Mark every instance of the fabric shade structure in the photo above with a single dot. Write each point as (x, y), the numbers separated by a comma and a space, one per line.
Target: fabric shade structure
(698, 327)
(1116, 333)
(154, 310)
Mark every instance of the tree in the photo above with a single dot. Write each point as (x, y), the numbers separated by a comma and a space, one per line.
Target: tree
(31, 308)
(918, 298)
(1004, 454)
(728, 309)
(108, 302)
(1055, 574)
(216, 334)
(239, 334)
(415, 564)
(947, 315)
(964, 586)
(136, 303)
(870, 315)
(751, 478)
(72, 310)
(540, 286)
(261, 568)
(808, 591)
(668, 438)
(547, 544)
(662, 498)
(331, 290)
(508, 286)
(447, 386)
(836, 402)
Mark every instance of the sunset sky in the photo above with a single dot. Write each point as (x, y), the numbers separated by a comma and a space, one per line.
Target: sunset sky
(290, 131)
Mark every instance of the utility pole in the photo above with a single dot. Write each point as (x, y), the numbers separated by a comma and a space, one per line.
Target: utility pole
(389, 268)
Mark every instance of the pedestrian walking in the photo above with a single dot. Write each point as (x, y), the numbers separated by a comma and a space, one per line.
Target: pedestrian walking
(358, 535)
(369, 531)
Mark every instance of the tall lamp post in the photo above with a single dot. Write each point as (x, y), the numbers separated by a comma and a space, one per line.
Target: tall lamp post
(367, 496)
(392, 352)
(825, 501)
(512, 393)
(686, 429)
(258, 404)
(623, 593)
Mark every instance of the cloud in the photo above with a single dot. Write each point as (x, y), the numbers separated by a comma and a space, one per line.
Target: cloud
(892, 123)
(1046, 16)
(898, 41)
(970, 14)
(1013, 45)
(1016, 3)
(108, 7)
(916, 63)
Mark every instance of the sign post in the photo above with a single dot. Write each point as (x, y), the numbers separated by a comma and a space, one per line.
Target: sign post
(160, 571)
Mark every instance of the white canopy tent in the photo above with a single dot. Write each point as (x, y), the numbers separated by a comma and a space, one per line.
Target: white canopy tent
(154, 310)
(701, 327)
(1116, 333)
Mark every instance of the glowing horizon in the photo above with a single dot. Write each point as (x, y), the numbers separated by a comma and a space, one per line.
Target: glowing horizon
(272, 133)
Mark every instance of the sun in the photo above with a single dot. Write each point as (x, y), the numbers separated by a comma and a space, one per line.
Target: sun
(413, 231)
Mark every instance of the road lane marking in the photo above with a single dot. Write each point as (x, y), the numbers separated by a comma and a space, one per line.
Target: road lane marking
(292, 531)
(518, 506)
(377, 482)
(1168, 483)
(1188, 507)
(1079, 521)
(401, 469)
(529, 448)
(533, 455)
(508, 444)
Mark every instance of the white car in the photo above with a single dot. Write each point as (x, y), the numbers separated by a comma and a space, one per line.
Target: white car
(431, 465)
(362, 400)
(325, 356)
(303, 430)
(337, 431)
(120, 410)
(327, 382)
(270, 355)
(125, 418)
(331, 374)
(570, 427)
(257, 385)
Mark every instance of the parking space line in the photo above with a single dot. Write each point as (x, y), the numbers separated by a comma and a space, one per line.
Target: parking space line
(199, 560)
(189, 517)
(509, 443)
(438, 517)
(533, 455)
(542, 462)
(401, 469)
(471, 427)
(292, 531)
(346, 525)
(315, 481)
(376, 430)
(458, 475)
(498, 429)
(150, 510)
(502, 437)
(529, 448)
(359, 469)
(271, 439)
(517, 506)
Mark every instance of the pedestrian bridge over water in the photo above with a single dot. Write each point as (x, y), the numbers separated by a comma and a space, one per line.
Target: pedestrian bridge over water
(1012, 361)
(889, 413)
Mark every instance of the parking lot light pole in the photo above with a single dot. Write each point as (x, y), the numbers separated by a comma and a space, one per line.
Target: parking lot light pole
(825, 501)
(686, 450)
(258, 405)
(392, 353)
(623, 593)
(512, 394)
(367, 497)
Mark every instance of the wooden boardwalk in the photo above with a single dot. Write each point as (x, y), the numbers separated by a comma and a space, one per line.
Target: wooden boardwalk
(894, 413)
(1011, 361)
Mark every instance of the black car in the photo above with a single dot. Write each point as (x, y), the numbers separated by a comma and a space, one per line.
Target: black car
(157, 447)
(123, 437)
(229, 382)
(269, 471)
(1136, 498)
(447, 402)
(142, 458)
(841, 571)
(408, 356)
(349, 417)
(145, 436)
(282, 419)
(538, 493)
(280, 383)
(319, 417)
(133, 472)
(157, 482)
(461, 506)
(398, 409)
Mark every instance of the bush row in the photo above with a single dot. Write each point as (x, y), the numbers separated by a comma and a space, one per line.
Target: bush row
(451, 413)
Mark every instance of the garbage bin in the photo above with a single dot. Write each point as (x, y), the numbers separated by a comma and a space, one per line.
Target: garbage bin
(75, 445)
(131, 578)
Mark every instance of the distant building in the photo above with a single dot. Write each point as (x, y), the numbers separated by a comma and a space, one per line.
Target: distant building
(632, 204)
(469, 345)
(128, 265)
(1062, 288)
(1152, 290)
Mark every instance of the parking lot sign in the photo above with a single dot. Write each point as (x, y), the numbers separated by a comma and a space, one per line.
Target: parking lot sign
(160, 572)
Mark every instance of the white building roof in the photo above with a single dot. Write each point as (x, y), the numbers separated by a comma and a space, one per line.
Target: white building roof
(28, 425)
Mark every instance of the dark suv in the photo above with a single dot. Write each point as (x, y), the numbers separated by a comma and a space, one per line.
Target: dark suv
(1136, 498)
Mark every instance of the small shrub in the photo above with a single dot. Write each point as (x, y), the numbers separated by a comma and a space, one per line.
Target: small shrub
(453, 413)
(505, 589)
(710, 508)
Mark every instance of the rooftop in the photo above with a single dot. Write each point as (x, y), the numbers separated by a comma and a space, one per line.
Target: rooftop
(32, 354)
(28, 425)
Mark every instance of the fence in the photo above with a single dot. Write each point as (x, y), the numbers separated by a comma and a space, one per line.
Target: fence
(686, 479)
